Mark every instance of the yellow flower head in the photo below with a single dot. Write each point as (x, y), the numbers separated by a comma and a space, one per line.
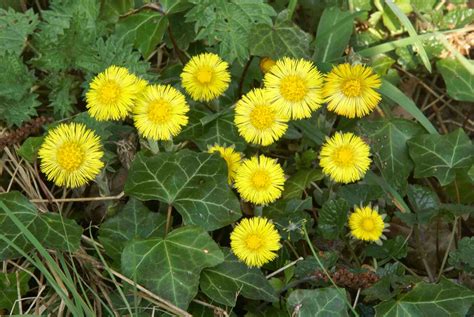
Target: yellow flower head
(70, 155)
(345, 157)
(160, 112)
(258, 120)
(349, 90)
(367, 224)
(295, 86)
(112, 94)
(254, 241)
(260, 180)
(266, 63)
(205, 77)
(231, 157)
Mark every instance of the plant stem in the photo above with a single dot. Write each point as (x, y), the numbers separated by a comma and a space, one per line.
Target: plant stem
(168, 219)
(451, 239)
(422, 254)
(242, 77)
(343, 293)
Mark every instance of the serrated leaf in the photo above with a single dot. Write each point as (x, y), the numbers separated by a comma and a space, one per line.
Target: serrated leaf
(443, 299)
(170, 267)
(296, 184)
(441, 156)
(15, 28)
(15, 112)
(388, 143)
(228, 23)
(459, 81)
(63, 93)
(194, 183)
(50, 229)
(280, 40)
(226, 281)
(144, 30)
(327, 302)
(13, 286)
(334, 31)
(134, 221)
(463, 257)
(332, 218)
(29, 149)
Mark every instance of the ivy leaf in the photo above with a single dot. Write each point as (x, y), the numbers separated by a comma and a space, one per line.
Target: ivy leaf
(29, 149)
(463, 257)
(327, 302)
(229, 23)
(443, 299)
(424, 201)
(441, 155)
(296, 184)
(170, 267)
(356, 194)
(396, 248)
(134, 221)
(50, 229)
(388, 142)
(174, 6)
(282, 39)
(15, 28)
(194, 183)
(459, 80)
(13, 285)
(334, 32)
(332, 218)
(226, 281)
(111, 10)
(144, 30)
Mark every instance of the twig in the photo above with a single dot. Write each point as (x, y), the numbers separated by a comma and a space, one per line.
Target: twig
(78, 199)
(422, 254)
(356, 299)
(176, 48)
(284, 268)
(242, 77)
(222, 311)
(451, 239)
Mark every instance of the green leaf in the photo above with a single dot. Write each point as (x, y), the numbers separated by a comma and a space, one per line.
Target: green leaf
(174, 6)
(144, 30)
(327, 302)
(170, 267)
(443, 299)
(226, 281)
(296, 184)
(396, 248)
(334, 32)
(388, 143)
(50, 229)
(463, 257)
(15, 28)
(29, 149)
(194, 183)
(310, 265)
(228, 24)
(424, 201)
(280, 40)
(459, 81)
(13, 286)
(356, 194)
(111, 10)
(441, 156)
(332, 218)
(134, 221)
(63, 93)
(393, 93)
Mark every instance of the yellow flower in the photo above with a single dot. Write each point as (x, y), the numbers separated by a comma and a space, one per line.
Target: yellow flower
(112, 94)
(366, 224)
(231, 157)
(160, 112)
(254, 241)
(266, 63)
(345, 157)
(349, 90)
(205, 77)
(70, 155)
(258, 120)
(295, 86)
(260, 180)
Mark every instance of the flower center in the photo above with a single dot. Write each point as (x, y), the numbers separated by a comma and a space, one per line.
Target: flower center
(70, 156)
(109, 93)
(253, 242)
(351, 88)
(293, 88)
(260, 179)
(204, 76)
(368, 224)
(159, 111)
(343, 156)
(262, 117)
